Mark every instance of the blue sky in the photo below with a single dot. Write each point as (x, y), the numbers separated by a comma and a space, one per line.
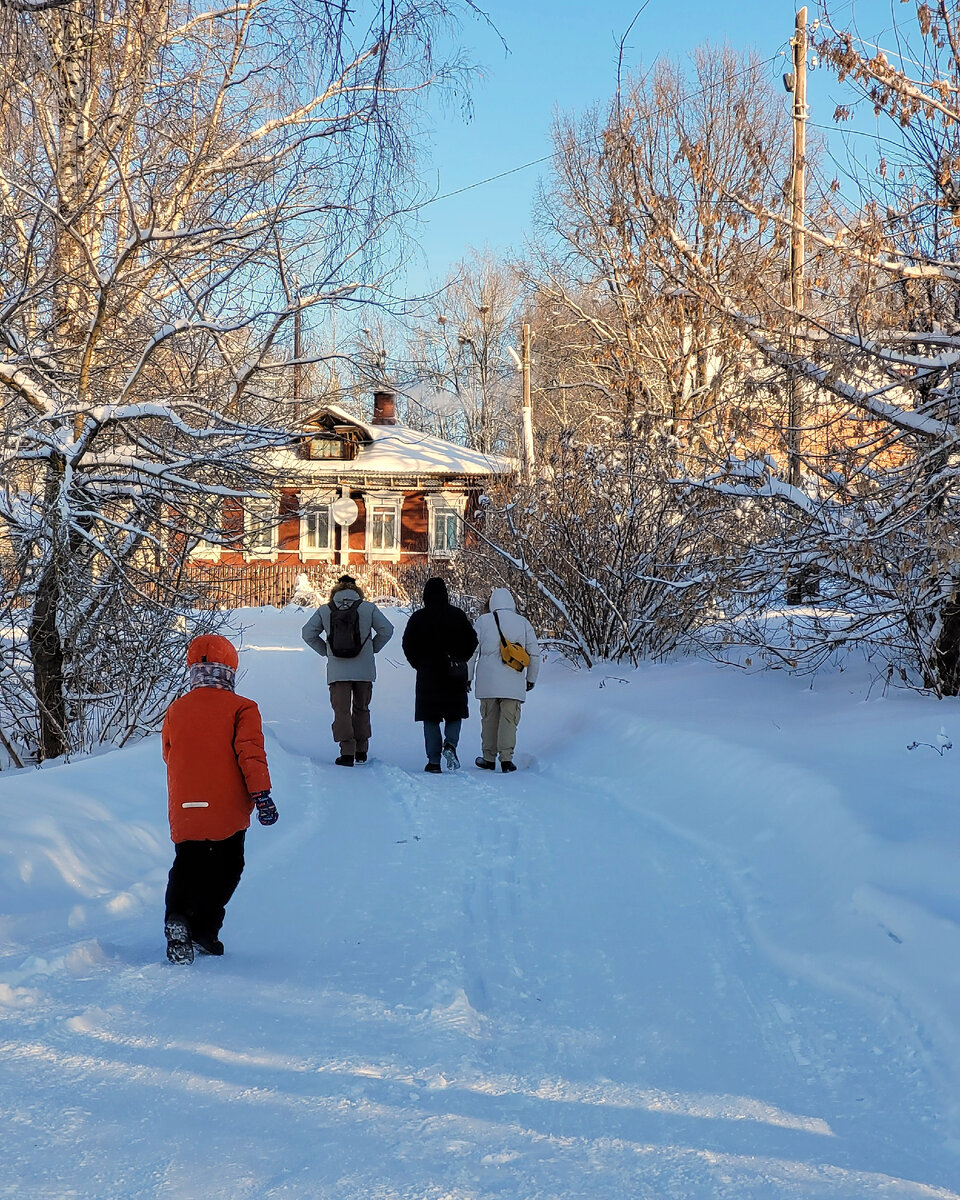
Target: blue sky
(564, 56)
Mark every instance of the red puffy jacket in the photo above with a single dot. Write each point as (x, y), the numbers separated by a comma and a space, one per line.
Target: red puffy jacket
(213, 747)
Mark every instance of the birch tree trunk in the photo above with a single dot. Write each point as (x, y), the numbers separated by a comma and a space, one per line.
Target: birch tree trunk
(166, 171)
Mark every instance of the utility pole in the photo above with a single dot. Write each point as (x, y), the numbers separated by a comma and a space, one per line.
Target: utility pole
(297, 368)
(798, 190)
(528, 451)
(797, 84)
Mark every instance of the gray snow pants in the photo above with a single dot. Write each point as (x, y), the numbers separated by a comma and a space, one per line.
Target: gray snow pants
(350, 700)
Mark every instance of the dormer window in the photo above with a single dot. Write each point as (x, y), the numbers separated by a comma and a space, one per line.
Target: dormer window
(327, 448)
(332, 435)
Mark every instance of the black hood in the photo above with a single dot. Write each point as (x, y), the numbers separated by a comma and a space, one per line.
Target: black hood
(435, 594)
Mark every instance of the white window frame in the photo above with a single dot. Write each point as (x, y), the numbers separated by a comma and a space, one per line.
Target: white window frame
(255, 515)
(210, 551)
(383, 500)
(444, 502)
(314, 502)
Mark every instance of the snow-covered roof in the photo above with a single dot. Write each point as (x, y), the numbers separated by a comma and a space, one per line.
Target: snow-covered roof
(395, 450)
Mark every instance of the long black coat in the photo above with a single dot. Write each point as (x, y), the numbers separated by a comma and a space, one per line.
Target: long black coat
(435, 634)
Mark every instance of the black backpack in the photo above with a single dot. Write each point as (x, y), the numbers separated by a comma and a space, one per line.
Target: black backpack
(344, 640)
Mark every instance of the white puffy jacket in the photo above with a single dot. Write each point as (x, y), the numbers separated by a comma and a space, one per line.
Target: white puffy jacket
(490, 675)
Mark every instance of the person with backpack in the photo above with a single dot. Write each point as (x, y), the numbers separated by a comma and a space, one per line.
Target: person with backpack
(212, 743)
(438, 642)
(503, 669)
(348, 632)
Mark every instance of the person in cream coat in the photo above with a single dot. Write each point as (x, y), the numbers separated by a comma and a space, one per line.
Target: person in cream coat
(500, 689)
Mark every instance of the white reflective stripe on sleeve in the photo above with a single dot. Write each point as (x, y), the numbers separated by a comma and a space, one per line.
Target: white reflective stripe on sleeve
(195, 804)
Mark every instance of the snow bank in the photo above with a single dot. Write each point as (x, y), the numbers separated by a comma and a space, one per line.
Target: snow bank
(703, 944)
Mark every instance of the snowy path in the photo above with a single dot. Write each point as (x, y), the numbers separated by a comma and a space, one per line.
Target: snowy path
(455, 988)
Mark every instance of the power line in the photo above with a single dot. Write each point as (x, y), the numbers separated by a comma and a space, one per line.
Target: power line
(535, 162)
(468, 187)
(545, 158)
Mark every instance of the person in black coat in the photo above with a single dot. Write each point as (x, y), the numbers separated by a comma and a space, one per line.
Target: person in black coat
(438, 642)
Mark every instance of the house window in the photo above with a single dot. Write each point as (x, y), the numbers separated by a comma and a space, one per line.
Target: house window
(445, 524)
(212, 523)
(383, 526)
(316, 526)
(329, 445)
(445, 533)
(260, 527)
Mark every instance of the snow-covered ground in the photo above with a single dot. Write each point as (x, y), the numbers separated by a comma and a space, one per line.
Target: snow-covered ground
(705, 943)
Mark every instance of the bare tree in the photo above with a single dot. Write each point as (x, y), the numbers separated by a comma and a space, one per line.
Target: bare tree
(875, 513)
(637, 380)
(626, 340)
(175, 184)
(462, 379)
(611, 560)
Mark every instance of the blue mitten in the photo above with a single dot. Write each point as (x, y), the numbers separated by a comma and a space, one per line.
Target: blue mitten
(266, 809)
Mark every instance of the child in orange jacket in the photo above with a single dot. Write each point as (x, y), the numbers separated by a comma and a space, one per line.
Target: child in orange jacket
(216, 774)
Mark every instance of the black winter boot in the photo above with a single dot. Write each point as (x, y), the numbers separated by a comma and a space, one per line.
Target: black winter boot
(345, 760)
(207, 944)
(484, 765)
(179, 943)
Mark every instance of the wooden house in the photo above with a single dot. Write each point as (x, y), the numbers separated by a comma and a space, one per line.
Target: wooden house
(353, 493)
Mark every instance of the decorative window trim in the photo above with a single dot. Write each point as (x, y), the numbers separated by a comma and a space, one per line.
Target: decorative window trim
(255, 515)
(383, 500)
(442, 502)
(312, 502)
(205, 551)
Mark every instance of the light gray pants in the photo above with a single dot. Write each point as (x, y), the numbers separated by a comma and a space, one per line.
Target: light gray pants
(498, 728)
(350, 701)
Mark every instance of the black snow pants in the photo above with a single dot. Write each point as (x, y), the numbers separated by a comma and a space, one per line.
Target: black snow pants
(202, 879)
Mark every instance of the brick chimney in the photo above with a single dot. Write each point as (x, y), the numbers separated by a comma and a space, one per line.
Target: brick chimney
(384, 408)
